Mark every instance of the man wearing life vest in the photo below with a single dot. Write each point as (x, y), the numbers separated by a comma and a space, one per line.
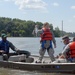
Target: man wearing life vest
(68, 53)
(66, 40)
(47, 37)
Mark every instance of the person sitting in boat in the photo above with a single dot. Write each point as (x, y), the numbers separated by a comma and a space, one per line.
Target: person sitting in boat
(47, 37)
(5, 45)
(66, 40)
(68, 53)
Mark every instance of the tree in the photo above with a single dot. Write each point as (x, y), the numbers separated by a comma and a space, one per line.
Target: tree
(18, 28)
(57, 32)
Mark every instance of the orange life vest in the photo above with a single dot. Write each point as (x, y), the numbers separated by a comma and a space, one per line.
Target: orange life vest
(71, 52)
(46, 34)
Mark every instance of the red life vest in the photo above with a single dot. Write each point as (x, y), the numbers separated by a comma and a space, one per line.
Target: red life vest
(46, 34)
(72, 50)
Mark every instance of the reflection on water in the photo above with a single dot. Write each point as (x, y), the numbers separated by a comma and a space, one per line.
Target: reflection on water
(4, 71)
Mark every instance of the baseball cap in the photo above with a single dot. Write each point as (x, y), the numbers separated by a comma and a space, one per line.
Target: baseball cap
(65, 37)
(3, 35)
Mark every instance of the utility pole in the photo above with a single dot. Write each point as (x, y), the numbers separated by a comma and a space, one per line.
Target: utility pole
(62, 28)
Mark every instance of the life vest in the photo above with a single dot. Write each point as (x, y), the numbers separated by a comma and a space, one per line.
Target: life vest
(46, 34)
(4, 46)
(71, 53)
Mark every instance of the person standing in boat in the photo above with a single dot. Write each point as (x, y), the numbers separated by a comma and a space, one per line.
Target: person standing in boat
(47, 37)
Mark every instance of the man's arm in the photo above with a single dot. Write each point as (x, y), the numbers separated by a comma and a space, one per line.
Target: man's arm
(40, 31)
(54, 41)
(13, 47)
(66, 49)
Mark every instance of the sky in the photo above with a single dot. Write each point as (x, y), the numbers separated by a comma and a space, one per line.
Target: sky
(51, 11)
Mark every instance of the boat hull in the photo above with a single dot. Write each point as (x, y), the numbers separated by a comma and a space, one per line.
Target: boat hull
(21, 62)
(40, 67)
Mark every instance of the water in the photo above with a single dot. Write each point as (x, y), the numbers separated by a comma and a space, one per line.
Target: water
(32, 45)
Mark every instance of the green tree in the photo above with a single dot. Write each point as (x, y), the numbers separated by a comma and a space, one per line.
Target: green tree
(21, 28)
(57, 32)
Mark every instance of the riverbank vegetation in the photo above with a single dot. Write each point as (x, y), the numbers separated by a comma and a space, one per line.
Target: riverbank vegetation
(22, 28)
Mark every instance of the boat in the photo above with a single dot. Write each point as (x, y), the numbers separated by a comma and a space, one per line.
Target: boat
(22, 62)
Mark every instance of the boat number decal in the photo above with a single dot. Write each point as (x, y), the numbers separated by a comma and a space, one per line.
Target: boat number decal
(57, 67)
(51, 66)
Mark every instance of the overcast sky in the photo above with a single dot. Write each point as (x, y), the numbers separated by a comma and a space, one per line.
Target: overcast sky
(52, 11)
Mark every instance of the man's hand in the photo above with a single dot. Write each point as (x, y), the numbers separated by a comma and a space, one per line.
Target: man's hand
(18, 51)
(62, 56)
(2, 51)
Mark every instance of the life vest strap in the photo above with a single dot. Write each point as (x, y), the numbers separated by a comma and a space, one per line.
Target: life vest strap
(44, 42)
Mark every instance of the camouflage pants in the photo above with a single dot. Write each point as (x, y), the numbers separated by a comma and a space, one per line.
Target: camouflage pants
(50, 52)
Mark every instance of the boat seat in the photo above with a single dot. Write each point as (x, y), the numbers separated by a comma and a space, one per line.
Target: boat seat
(29, 59)
(17, 58)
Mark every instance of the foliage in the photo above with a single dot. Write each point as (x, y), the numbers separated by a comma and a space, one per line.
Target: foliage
(21, 28)
(57, 32)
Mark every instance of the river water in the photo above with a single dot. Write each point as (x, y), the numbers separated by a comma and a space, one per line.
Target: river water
(30, 44)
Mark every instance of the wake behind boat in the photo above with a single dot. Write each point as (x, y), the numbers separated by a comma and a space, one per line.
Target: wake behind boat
(22, 62)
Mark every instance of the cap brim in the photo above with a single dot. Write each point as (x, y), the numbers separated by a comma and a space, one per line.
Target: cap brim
(66, 38)
(4, 36)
